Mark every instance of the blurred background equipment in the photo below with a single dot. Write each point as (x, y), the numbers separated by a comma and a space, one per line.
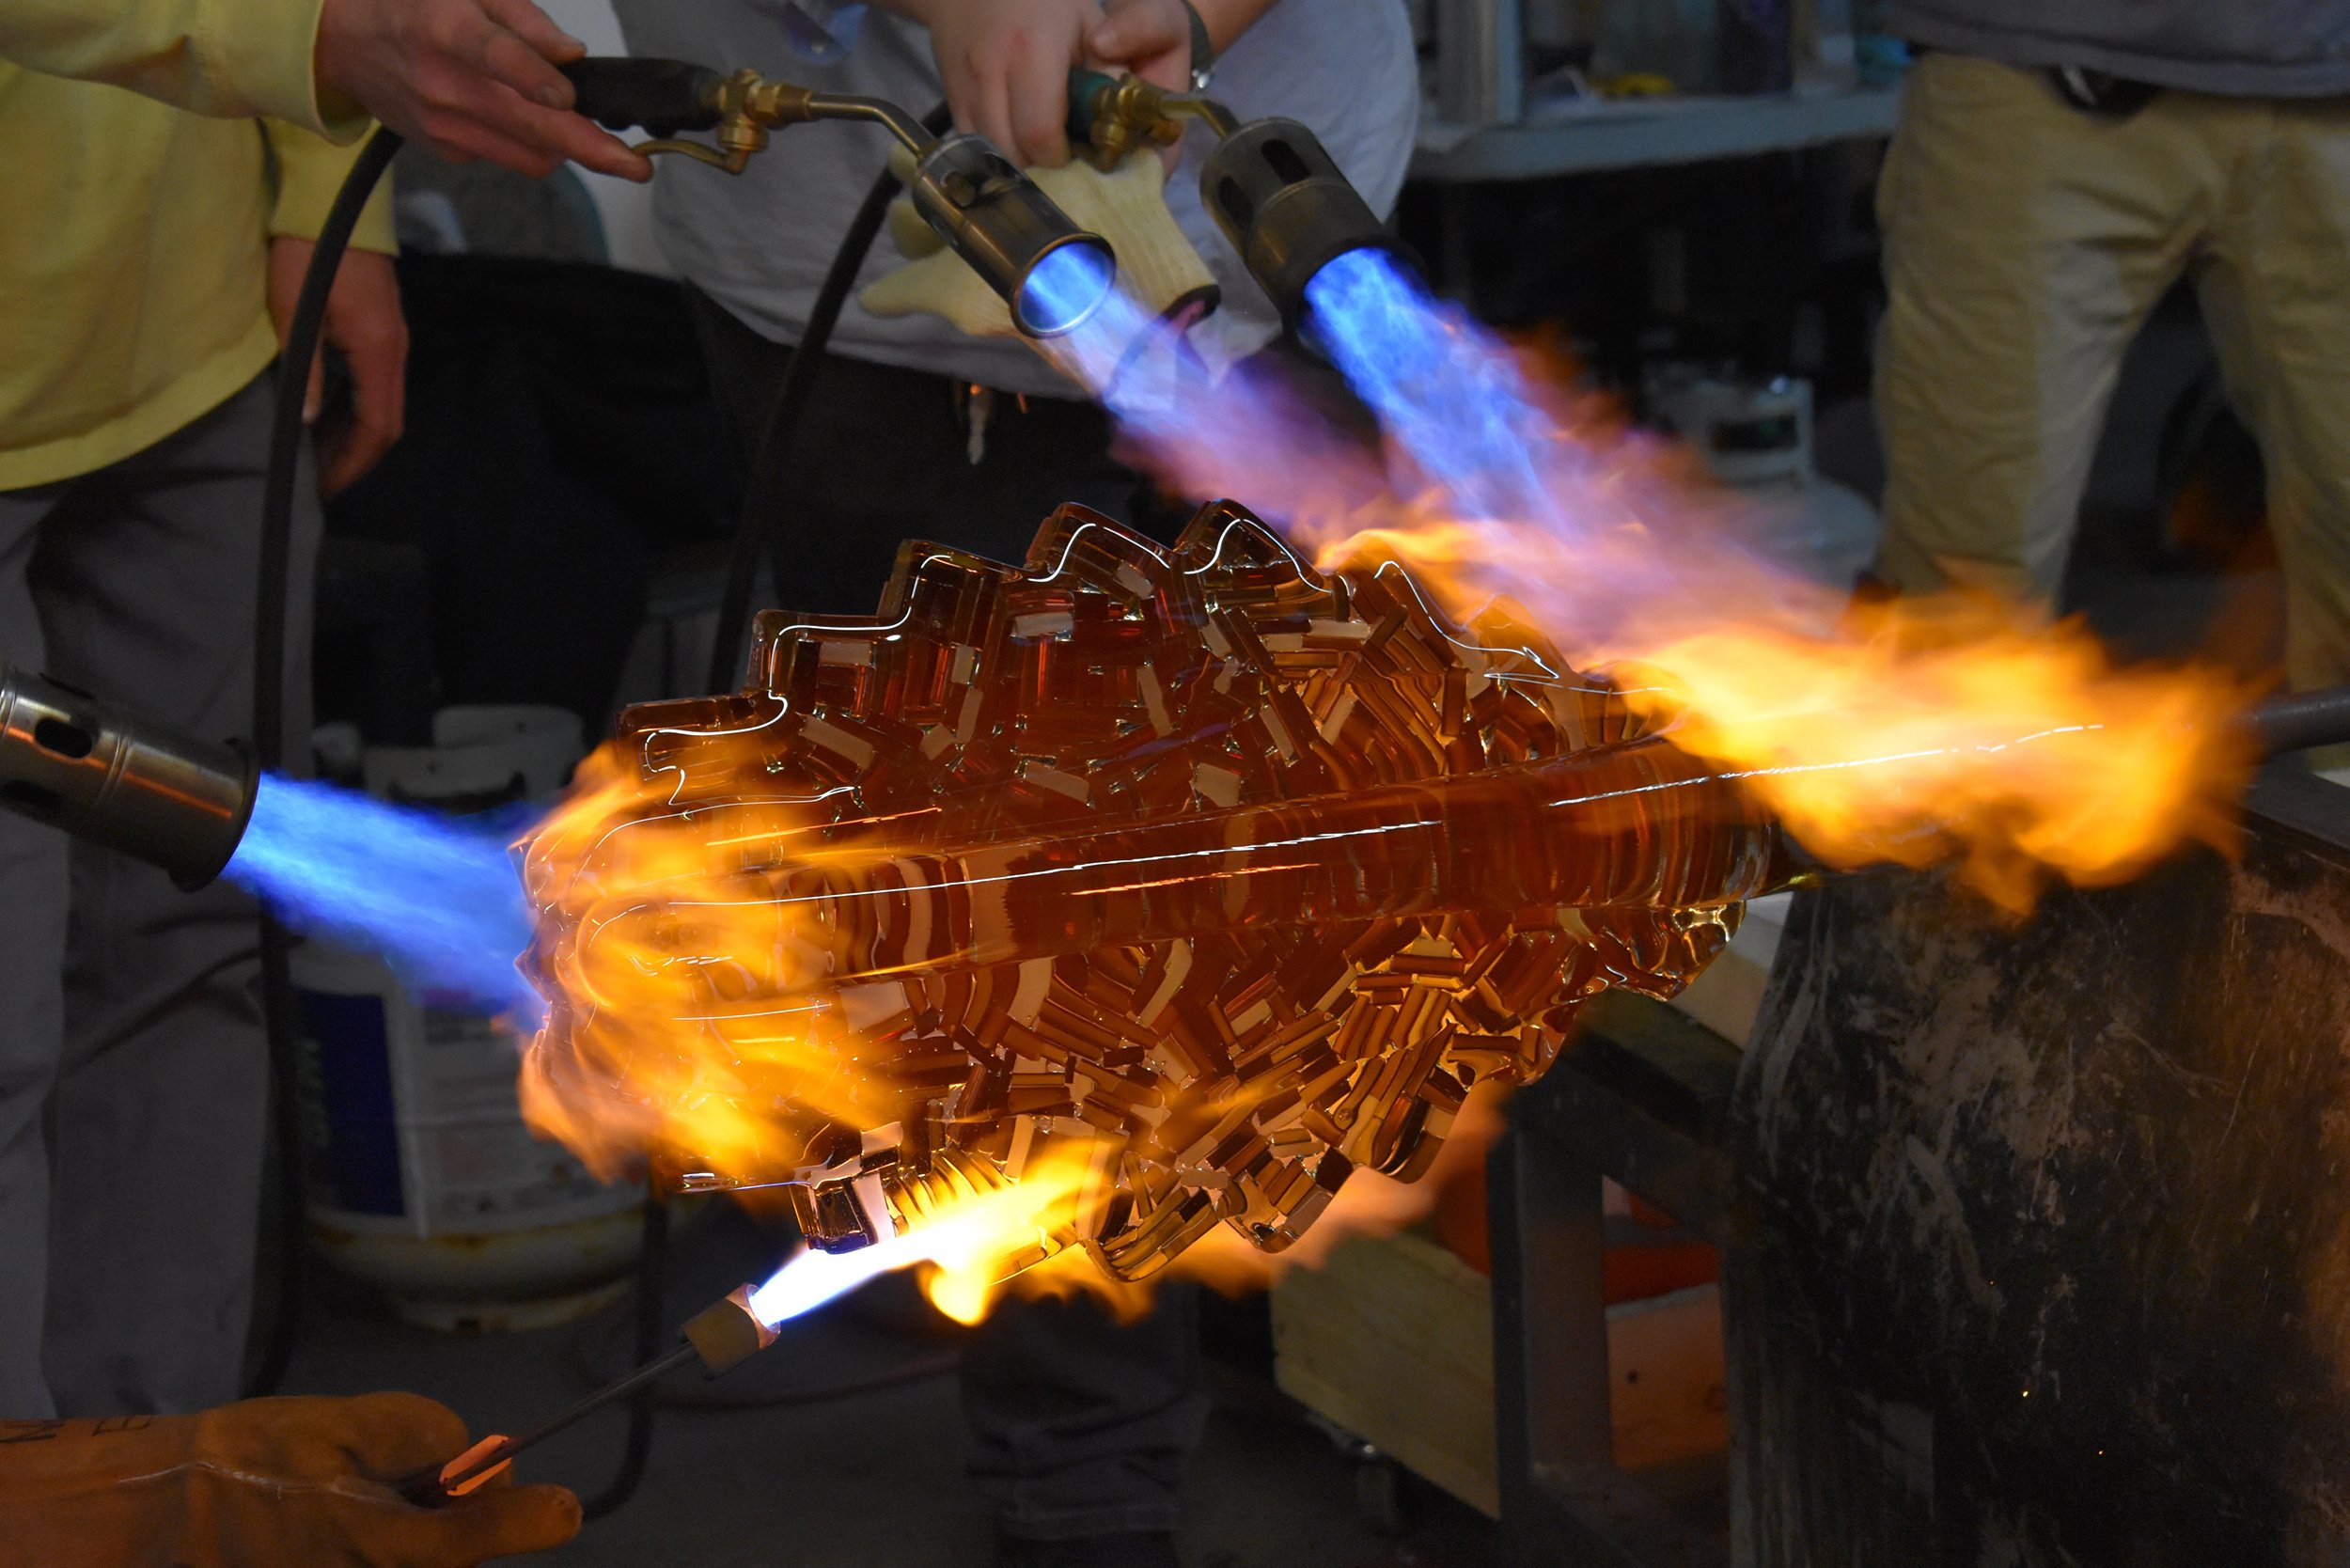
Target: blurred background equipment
(424, 1182)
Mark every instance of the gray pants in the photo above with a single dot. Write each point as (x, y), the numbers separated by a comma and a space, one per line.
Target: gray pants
(134, 1076)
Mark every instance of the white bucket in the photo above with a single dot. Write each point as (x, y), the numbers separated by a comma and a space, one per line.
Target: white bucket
(424, 1182)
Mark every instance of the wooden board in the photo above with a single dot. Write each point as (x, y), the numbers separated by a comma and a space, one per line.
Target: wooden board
(1392, 1340)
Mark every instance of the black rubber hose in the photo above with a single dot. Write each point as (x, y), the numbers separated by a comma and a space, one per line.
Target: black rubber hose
(763, 499)
(652, 1277)
(766, 504)
(269, 711)
(269, 728)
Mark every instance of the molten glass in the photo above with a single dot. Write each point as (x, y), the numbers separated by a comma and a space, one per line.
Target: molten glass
(1198, 879)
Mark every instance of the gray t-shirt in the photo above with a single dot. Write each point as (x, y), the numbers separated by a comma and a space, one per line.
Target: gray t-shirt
(2236, 48)
(759, 243)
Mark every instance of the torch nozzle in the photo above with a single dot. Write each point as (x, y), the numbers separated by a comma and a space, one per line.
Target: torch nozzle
(728, 1332)
(88, 769)
(1288, 209)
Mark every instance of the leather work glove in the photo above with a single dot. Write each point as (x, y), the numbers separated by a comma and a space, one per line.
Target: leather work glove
(265, 1483)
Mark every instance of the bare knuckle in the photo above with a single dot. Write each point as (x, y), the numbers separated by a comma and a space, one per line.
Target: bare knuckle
(447, 28)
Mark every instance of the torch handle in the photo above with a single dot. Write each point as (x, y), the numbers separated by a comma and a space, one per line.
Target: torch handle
(663, 97)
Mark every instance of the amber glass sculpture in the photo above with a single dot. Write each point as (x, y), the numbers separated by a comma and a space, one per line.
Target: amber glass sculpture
(1221, 874)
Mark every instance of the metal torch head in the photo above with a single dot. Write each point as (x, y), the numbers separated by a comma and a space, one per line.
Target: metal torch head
(80, 766)
(1279, 197)
(1051, 273)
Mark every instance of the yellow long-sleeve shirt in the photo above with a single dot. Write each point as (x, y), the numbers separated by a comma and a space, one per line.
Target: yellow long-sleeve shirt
(133, 234)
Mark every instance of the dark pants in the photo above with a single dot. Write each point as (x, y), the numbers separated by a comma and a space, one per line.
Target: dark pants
(882, 454)
(1080, 1427)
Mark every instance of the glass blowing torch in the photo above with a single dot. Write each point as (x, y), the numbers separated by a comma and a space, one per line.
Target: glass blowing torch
(989, 212)
(1272, 187)
(721, 1336)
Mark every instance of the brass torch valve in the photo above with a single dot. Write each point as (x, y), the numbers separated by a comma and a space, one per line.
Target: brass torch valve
(666, 97)
(1110, 116)
(747, 103)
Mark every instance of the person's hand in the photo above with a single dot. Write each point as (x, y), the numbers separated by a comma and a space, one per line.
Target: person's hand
(468, 79)
(364, 321)
(1149, 38)
(1006, 67)
(267, 1481)
(1006, 62)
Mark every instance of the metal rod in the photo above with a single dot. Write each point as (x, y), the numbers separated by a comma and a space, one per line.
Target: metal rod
(2302, 720)
(433, 1486)
(834, 105)
(1207, 111)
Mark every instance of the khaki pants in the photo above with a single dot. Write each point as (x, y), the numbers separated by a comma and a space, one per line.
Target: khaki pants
(2025, 242)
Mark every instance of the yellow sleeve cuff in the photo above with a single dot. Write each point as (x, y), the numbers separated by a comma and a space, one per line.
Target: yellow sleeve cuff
(310, 173)
(265, 56)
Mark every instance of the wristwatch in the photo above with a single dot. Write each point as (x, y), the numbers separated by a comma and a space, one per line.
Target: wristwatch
(1202, 50)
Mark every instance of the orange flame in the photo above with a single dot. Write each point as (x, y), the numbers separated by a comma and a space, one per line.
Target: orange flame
(657, 998)
(1370, 1204)
(1913, 731)
(966, 1248)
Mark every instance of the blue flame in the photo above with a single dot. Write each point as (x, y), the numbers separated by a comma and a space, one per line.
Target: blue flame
(813, 1278)
(1442, 389)
(437, 898)
(1065, 287)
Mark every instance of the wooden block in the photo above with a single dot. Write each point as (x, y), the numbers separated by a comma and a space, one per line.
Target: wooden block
(1667, 1395)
